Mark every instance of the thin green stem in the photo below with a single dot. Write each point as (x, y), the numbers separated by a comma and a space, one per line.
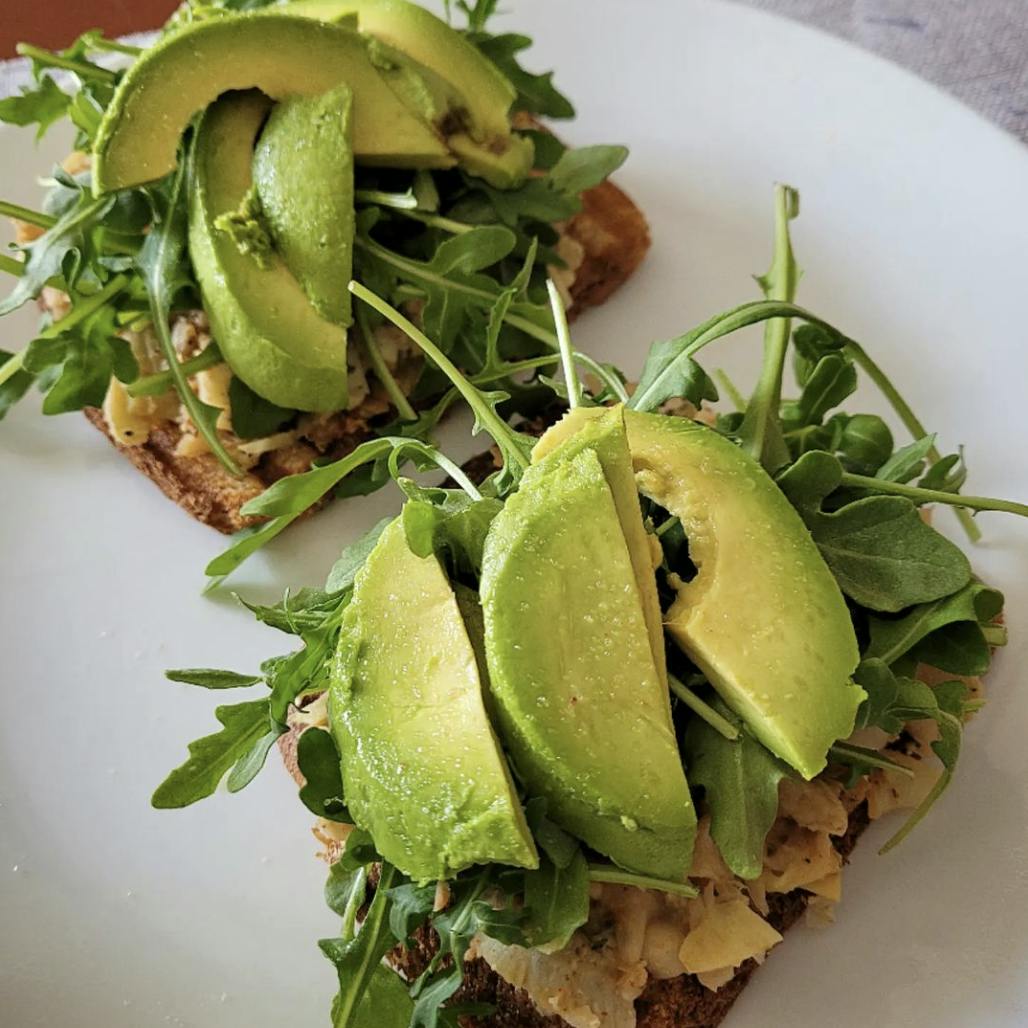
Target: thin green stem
(457, 228)
(910, 420)
(614, 876)
(704, 710)
(920, 495)
(560, 321)
(354, 902)
(161, 381)
(761, 418)
(381, 369)
(668, 525)
(11, 266)
(85, 307)
(850, 754)
(482, 297)
(11, 366)
(738, 400)
(84, 69)
(487, 417)
(454, 471)
(396, 201)
(30, 217)
(100, 42)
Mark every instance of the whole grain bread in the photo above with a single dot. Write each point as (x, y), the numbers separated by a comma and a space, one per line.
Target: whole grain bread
(614, 238)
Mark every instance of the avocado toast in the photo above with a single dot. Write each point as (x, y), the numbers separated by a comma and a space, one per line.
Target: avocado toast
(193, 252)
(588, 727)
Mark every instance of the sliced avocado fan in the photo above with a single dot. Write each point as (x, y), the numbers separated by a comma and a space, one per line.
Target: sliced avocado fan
(303, 171)
(423, 770)
(403, 112)
(580, 703)
(605, 435)
(261, 318)
(764, 618)
(487, 147)
(280, 54)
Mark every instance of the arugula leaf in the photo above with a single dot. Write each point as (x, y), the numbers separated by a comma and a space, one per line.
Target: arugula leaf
(514, 447)
(160, 263)
(683, 348)
(46, 256)
(455, 927)
(244, 731)
(946, 634)
(14, 385)
(253, 417)
(209, 678)
(41, 104)
(833, 379)
(298, 612)
(741, 782)
(908, 461)
(559, 846)
(454, 528)
(668, 375)
(586, 166)
(880, 551)
(809, 344)
(866, 443)
(885, 557)
(364, 1000)
(556, 902)
(536, 93)
(410, 909)
(319, 763)
(352, 559)
(947, 474)
(304, 671)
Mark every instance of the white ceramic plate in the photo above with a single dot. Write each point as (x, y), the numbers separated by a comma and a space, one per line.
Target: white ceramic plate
(914, 233)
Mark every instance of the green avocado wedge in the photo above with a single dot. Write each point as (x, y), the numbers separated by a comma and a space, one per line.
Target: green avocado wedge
(422, 768)
(605, 435)
(488, 147)
(764, 618)
(282, 55)
(579, 702)
(265, 326)
(307, 141)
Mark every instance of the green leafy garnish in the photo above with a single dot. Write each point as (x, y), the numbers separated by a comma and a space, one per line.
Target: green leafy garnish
(741, 782)
(238, 750)
(160, 263)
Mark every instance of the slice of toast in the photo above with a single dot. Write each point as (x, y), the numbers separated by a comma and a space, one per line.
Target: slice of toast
(681, 1002)
(613, 236)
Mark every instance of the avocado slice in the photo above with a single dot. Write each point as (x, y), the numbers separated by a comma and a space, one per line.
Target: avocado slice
(764, 617)
(269, 333)
(307, 140)
(579, 702)
(605, 435)
(423, 770)
(280, 54)
(487, 147)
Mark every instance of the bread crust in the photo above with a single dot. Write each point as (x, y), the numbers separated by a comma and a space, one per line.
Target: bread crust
(614, 236)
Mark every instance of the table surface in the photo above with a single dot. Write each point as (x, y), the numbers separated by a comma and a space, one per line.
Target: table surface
(976, 49)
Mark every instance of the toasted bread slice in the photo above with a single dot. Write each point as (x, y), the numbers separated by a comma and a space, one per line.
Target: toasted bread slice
(681, 1002)
(613, 236)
